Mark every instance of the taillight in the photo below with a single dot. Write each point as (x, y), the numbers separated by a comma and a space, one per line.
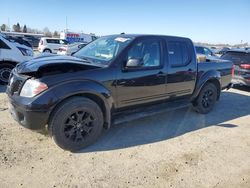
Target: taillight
(233, 70)
(62, 49)
(245, 66)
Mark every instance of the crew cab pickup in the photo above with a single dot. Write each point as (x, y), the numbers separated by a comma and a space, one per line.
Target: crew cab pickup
(77, 96)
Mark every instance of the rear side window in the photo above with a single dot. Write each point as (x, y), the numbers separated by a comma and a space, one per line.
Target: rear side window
(178, 53)
(237, 57)
(53, 41)
(3, 45)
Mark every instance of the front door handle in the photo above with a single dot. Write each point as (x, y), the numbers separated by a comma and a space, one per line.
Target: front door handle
(160, 74)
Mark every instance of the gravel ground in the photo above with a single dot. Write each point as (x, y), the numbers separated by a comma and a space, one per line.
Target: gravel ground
(173, 149)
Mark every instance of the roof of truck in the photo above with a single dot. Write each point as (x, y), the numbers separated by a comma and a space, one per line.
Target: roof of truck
(149, 35)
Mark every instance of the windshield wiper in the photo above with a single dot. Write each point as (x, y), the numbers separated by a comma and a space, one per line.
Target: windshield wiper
(85, 59)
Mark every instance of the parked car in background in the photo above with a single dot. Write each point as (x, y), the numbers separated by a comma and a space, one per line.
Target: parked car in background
(70, 49)
(79, 95)
(204, 51)
(34, 41)
(12, 52)
(241, 60)
(31, 38)
(223, 50)
(50, 45)
(20, 40)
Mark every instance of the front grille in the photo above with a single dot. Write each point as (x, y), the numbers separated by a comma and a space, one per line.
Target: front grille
(15, 84)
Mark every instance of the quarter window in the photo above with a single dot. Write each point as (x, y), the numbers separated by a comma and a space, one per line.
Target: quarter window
(178, 53)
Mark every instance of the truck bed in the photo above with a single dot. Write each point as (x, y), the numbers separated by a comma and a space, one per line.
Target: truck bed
(223, 69)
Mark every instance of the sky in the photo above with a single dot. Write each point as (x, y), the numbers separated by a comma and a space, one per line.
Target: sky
(212, 21)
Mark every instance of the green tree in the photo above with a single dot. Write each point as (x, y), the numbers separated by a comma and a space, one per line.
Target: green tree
(3, 27)
(25, 29)
(14, 27)
(18, 27)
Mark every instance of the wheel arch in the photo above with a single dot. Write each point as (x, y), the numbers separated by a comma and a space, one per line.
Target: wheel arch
(47, 49)
(213, 77)
(101, 97)
(14, 63)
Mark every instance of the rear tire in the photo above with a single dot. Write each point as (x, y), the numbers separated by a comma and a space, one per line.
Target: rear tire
(47, 51)
(76, 123)
(206, 99)
(5, 70)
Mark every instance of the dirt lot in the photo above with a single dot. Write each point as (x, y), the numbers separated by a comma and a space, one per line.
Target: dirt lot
(173, 149)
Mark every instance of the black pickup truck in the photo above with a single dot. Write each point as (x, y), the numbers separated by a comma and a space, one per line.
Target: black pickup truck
(77, 96)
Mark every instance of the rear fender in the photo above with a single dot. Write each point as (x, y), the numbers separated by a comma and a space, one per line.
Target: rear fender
(212, 76)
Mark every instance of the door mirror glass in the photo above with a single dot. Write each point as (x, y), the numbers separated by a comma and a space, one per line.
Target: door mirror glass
(134, 63)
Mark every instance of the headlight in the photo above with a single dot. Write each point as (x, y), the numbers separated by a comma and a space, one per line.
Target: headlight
(25, 52)
(32, 88)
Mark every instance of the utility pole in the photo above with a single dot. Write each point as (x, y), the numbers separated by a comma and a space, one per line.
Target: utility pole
(66, 23)
(8, 24)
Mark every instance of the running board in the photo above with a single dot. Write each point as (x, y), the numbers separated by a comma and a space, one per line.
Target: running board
(134, 114)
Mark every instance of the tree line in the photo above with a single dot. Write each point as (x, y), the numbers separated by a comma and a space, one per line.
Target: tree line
(24, 29)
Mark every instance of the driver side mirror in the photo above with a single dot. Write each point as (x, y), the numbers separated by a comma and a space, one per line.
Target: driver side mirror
(134, 63)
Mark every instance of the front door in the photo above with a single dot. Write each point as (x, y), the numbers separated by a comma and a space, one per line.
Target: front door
(145, 83)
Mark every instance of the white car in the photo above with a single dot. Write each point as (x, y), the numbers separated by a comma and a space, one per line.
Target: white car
(70, 49)
(50, 45)
(12, 52)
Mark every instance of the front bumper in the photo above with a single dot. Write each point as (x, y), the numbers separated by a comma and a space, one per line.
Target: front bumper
(31, 119)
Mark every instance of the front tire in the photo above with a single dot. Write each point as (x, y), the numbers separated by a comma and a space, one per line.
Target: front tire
(5, 70)
(76, 123)
(206, 99)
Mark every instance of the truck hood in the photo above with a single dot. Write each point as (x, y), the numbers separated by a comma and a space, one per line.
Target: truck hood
(55, 63)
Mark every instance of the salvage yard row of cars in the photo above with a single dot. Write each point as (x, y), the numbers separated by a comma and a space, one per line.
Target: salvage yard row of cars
(101, 82)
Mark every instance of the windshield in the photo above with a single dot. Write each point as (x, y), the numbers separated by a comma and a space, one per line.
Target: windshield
(104, 49)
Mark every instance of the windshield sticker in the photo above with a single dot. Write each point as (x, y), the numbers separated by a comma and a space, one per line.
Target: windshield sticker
(121, 39)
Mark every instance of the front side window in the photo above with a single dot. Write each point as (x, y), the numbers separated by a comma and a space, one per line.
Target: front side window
(63, 42)
(147, 51)
(178, 53)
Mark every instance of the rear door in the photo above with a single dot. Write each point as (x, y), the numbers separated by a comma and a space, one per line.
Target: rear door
(182, 68)
(147, 83)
